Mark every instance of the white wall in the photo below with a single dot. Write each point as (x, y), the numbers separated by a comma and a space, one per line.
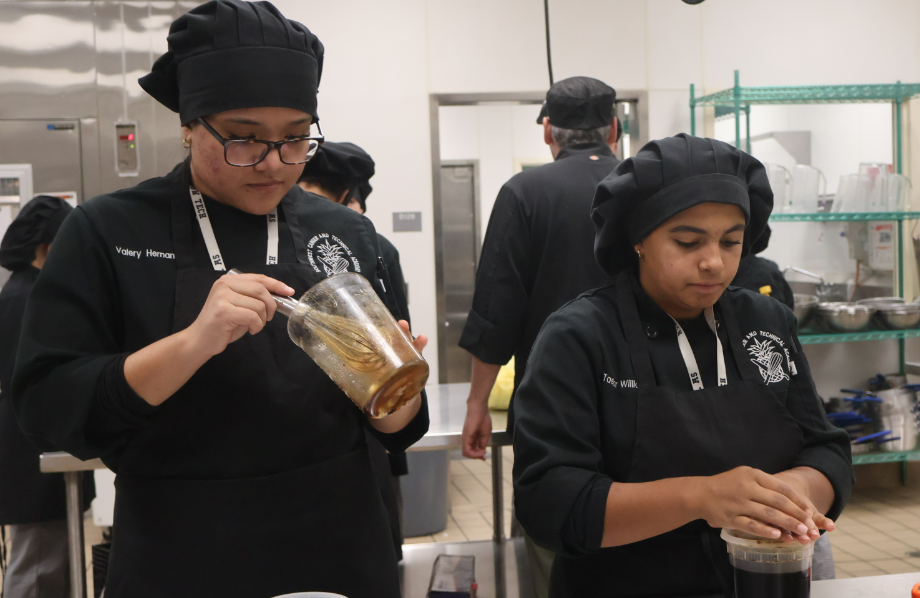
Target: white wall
(501, 138)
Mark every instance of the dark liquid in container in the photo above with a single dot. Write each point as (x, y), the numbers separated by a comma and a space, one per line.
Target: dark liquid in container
(768, 585)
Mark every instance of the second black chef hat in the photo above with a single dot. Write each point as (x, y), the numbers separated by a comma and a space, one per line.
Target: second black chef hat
(230, 54)
(579, 103)
(345, 162)
(666, 177)
(38, 222)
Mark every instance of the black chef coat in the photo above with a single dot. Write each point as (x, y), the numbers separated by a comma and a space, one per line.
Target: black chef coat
(756, 272)
(108, 290)
(26, 494)
(576, 407)
(538, 253)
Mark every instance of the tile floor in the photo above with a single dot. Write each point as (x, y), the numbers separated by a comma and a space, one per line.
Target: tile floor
(470, 496)
(878, 533)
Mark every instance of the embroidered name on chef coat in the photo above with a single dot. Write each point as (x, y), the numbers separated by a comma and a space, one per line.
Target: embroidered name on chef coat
(330, 255)
(622, 383)
(138, 253)
(766, 351)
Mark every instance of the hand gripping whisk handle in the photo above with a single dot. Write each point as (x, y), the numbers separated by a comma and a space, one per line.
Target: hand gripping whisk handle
(286, 305)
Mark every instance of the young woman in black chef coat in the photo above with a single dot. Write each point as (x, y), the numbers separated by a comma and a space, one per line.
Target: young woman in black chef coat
(242, 468)
(666, 406)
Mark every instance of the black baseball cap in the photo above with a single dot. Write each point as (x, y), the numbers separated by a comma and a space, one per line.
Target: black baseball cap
(579, 103)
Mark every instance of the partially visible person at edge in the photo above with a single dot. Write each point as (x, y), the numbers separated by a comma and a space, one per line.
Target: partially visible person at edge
(668, 406)
(341, 172)
(31, 502)
(538, 254)
(242, 469)
(762, 275)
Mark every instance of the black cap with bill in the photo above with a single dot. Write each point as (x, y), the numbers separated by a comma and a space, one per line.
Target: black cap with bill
(579, 103)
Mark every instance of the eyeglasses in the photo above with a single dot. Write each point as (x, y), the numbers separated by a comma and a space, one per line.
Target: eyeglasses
(249, 152)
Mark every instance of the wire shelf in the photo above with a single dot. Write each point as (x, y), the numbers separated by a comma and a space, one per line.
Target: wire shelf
(844, 217)
(812, 94)
(886, 457)
(818, 338)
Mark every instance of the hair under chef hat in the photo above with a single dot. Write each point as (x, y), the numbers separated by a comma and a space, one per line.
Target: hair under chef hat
(666, 177)
(230, 54)
(38, 222)
(345, 162)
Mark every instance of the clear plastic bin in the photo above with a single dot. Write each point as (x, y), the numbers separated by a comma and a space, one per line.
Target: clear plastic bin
(769, 568)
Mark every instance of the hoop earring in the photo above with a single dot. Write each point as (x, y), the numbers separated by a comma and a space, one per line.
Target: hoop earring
(186, 144)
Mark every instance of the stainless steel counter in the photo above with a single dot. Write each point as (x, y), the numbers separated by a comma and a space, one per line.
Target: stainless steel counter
(880, 586)
(447, 410)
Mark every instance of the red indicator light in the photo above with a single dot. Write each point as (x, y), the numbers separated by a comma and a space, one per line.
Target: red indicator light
(130, 136)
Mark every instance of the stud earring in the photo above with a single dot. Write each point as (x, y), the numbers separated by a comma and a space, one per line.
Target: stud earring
(186, 144)
(639, 253)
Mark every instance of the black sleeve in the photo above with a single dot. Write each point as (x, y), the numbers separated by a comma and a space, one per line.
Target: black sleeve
(560, 494)
(11, 309)
(827, 448)
(71, 336)
(495, 324)
(396, 283)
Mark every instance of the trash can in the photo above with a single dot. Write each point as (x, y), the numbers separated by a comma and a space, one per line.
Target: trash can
(424, 493)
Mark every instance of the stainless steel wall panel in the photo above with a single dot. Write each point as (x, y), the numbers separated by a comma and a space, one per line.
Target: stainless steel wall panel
(47, 60)
(51, 146)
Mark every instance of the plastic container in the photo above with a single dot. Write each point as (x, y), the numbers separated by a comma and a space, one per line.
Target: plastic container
(769, 568)
(346, 329)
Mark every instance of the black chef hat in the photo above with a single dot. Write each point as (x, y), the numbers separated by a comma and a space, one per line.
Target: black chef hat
(38, 222)
(346, 163)
(579, 103)
(762, 242)
(666, 177)
(360, 194)
(231, 54)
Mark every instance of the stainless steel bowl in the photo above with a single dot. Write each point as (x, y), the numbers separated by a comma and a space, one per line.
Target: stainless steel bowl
(899, 317)
(804, 306)
(879, 302)
(844, 317)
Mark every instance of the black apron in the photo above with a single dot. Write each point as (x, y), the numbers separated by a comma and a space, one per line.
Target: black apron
(684, 433)
(316, 527)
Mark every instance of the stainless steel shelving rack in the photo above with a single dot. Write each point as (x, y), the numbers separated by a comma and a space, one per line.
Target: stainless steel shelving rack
(739, 99)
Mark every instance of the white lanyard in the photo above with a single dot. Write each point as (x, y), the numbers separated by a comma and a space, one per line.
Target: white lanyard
(690, 359)
(207, 231)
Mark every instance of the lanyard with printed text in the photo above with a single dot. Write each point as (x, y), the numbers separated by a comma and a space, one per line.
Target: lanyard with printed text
(690, 359)
(207, 231)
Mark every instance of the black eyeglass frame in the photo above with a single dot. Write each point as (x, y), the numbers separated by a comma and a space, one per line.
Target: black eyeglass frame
(269, 145)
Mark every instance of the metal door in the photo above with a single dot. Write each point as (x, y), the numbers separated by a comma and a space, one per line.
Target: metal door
(458, 251)
(52, 147)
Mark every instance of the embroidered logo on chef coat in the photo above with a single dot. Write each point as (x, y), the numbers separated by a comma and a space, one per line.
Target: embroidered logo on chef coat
(329, 254)
(767, 351)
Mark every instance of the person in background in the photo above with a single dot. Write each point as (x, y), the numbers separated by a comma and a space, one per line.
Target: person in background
(762, 275)
(341, 172)
(538, 252)
(31, 502)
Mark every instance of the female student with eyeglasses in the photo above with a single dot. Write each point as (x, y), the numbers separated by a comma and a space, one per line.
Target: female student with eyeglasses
(242, 468)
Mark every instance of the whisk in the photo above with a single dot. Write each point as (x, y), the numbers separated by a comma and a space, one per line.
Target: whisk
(342, 336)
